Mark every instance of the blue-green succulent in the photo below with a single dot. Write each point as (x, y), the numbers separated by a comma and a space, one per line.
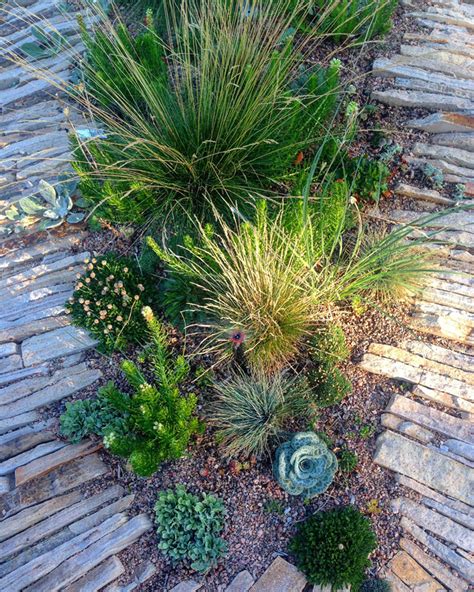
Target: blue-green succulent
(304, 465)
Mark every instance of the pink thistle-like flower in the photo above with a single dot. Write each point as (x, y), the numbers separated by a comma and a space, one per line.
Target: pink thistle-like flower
(237, 337)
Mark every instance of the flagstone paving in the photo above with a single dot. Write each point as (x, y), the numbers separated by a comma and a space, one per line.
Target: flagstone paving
(429, 437)
(52, 535)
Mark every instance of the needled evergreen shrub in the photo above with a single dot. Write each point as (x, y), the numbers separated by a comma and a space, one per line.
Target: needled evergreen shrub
(189, 528)
(160, 419)
(214, 116)
(151, 425)
(108, 301)
(332, 548)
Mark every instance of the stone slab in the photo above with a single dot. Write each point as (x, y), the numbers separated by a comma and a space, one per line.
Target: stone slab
(26, 518)
(187, 586)
(44, 464)
(55, 392)
(429, 493)
(431, 418)
(462, 566)
(436, 523)
(435, 567)
(59, 520)
(54, 344)
(242, 582)
(55, 483)
(281, 576)
(412, 574)
(408, 428)
(86, 559)
(444, 123)
(425, 465)
(98, 577)
(140, 575)
(46, 447)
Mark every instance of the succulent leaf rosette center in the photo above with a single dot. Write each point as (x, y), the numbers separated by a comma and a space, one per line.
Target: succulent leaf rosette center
(304, 465)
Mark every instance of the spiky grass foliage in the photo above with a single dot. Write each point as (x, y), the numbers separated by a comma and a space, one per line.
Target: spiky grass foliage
(254, 286)
(340, 19)
(213, 116)
(251, 413)
(264, 286)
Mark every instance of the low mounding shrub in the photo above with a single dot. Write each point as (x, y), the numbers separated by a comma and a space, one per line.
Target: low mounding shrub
(329, 384)
(91, 416)
(108, 301)
(304, 465)
(153, 424)
(189, 527)
(333, 548)
(347, 460)
(250, 413)
(376, 585)
(329, 345)
(366, 19)
(214, 115)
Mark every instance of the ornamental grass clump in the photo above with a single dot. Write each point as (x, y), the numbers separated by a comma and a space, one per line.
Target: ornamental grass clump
(332, 548)
(214, 114)
(251, 413)
(254, 286)
(263, 286)
(108, 301)
(189, 528)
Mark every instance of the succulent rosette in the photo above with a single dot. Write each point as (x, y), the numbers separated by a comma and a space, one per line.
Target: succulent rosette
(304, 465)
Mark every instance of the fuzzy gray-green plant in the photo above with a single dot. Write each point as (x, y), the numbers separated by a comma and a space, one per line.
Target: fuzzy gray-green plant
(189, 527)
(50, 207)
(91, 416)
(304, 465)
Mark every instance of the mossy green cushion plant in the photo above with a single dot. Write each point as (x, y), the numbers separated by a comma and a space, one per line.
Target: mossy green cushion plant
(304, 465)
(189, 527)
(108, 301)
(332, 548)
(329, 384)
